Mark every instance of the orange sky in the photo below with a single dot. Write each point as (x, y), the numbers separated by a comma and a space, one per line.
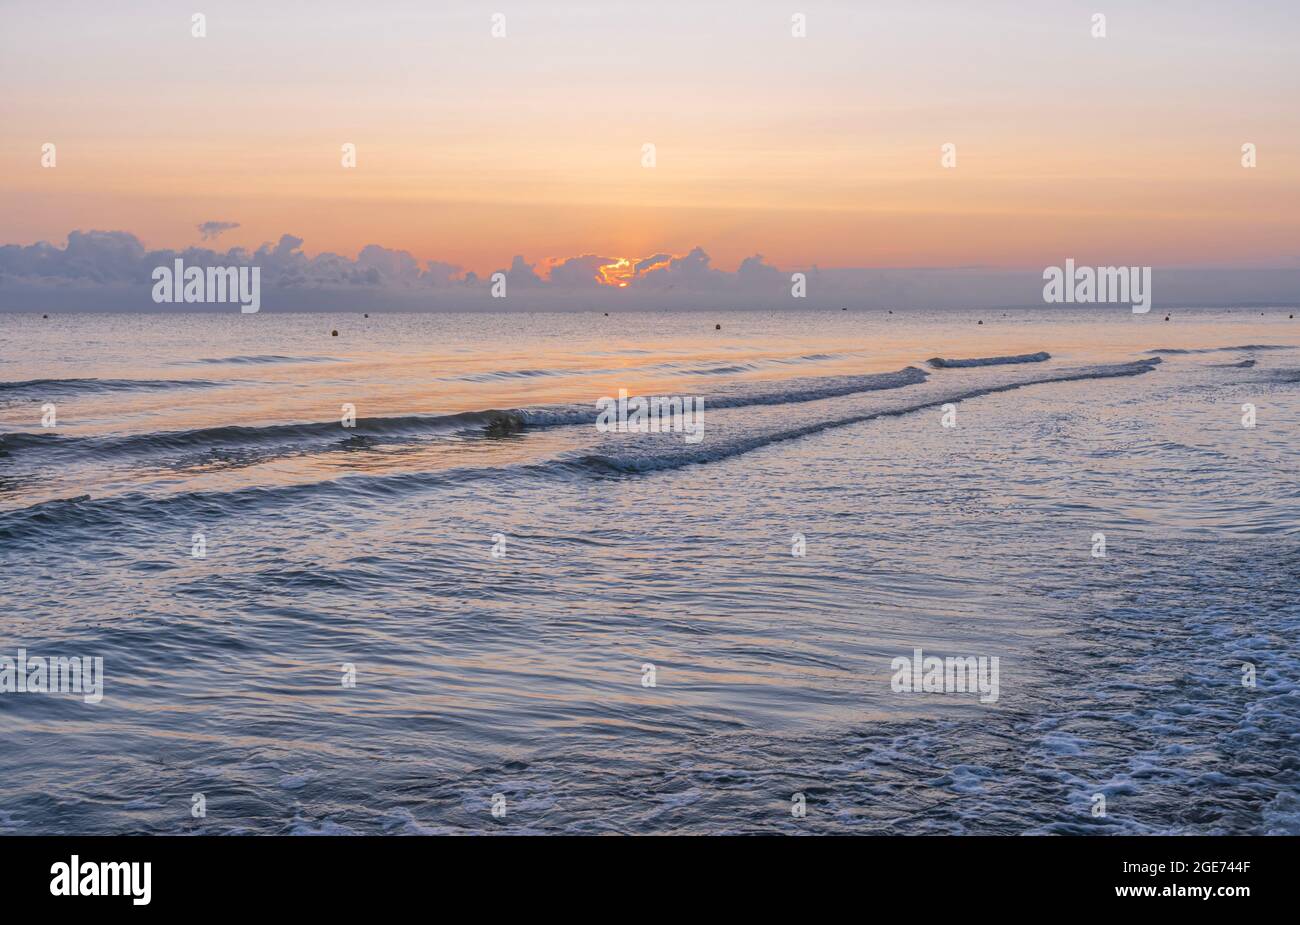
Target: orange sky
(822, 150)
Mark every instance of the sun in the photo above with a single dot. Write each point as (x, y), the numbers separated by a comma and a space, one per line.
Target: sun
(619, 273)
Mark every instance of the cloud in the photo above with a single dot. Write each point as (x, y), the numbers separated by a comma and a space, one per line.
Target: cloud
(757, 270)
(648, 263)
(95, 257)
(579, 272)
(211, 230)
(105, 258)
(112, 270)
(688, 271)
(522, 274)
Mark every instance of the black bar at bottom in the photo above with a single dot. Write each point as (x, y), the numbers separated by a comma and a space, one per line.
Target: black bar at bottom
(334, 874)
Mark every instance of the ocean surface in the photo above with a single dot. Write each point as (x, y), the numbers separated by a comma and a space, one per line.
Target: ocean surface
(594, 632)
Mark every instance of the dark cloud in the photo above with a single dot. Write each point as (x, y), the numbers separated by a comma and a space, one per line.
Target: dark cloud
(642, 265)
(210, 230)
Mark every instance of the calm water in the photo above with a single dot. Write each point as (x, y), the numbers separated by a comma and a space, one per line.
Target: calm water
(521, 674)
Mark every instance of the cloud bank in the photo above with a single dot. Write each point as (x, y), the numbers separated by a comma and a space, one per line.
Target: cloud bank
(112, 271)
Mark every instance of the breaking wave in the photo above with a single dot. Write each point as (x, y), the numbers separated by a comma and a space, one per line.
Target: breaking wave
(942, 363)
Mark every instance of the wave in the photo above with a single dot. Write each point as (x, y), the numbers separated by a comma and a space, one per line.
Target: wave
(66, 386)
(1179, 350)
(493, 422)
(1244, 364)
(686, 369)
(685, 454)
(747, 394)
(941, 363)
(720, 370)
(258, 358)
(505, 374)
(84, 512)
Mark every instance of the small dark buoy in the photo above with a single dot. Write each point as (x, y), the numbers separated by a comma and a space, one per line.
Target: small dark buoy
(45, 316)
(843, 309)
(1166, 317)
(717, 327)
(981, 321)
(334, 333)
(366, 315)
(606, 314)
(1291, 317)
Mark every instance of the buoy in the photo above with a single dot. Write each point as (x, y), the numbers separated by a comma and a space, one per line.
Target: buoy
(981, 321)
(717, 327)
(366, 315)
(334, 333)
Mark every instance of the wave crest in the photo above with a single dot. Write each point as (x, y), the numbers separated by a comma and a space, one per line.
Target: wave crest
(943, 363)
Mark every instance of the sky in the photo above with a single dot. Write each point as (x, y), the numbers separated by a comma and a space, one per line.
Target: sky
(822, 151)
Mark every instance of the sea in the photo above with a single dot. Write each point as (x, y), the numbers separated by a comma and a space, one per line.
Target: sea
(367, 573)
